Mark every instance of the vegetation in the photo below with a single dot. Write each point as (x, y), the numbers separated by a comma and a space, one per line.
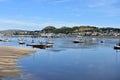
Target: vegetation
(77, 29)
(87, 30)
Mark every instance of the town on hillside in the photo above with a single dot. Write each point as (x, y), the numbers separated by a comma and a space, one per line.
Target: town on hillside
(87, 31)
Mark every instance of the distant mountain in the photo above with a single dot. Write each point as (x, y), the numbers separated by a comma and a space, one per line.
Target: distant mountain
(11, 31)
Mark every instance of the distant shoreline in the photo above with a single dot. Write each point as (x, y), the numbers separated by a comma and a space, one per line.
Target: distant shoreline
(111, 37)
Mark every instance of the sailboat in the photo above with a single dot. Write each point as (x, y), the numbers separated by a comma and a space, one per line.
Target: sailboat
(21, 41)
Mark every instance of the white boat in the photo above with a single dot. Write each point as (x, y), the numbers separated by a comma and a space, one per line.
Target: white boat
(79, 40)
(49, 40)
(117, 47)
(21, 42)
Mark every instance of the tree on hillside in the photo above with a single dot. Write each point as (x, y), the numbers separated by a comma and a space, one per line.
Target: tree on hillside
(65, 30)
(48, 29)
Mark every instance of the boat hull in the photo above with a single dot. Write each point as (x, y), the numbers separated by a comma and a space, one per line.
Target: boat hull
(78, 42)
(116, 47)
(41, 46)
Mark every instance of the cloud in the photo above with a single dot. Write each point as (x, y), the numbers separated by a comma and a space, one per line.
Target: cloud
(61, 1)
(109, 7)
(18, 23)
(59, 24)
(14, 24)
(101, 3)
(55, 2)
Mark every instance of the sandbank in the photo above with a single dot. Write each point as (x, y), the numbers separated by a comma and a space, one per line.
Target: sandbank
(8, 59)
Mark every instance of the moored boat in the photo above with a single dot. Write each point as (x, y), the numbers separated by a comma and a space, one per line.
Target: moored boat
(21, 42)
(49, 45)
(78, 41)
(117, 47)
(41, 46)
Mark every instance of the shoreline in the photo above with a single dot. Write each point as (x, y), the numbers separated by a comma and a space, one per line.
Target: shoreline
(8, 59)
(109, 37)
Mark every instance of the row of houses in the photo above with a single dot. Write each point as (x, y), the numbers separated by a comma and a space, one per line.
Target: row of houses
(25, 33)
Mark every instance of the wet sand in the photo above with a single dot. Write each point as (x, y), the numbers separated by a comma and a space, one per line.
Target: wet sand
(8, 59)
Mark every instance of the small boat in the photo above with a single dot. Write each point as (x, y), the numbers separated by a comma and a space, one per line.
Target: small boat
(49, 45)
(21, 42)
(1, 40)
(78, 41)
(32, 41)
(102, 41)
(6, 40)
(117, 47)
(49, 42)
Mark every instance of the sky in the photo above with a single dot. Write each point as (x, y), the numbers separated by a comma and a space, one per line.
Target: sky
(37, 14)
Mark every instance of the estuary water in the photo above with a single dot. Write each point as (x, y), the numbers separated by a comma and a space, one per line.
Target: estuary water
(91, 60)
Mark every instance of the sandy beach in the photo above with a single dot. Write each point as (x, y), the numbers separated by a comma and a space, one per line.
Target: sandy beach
(9, 57)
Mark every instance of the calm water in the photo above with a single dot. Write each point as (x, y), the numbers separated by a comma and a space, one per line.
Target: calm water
(67, 61)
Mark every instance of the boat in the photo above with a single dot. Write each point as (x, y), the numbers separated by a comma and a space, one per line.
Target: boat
(32, 41)
(21, 42)
(78, 41)
(6, 40)
(102, 41)
(49, 42)
(41, 46)
(49, 45)
(117, 47)
(1, 40)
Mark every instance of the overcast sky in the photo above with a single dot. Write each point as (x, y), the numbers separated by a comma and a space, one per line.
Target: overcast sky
(36, 14)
